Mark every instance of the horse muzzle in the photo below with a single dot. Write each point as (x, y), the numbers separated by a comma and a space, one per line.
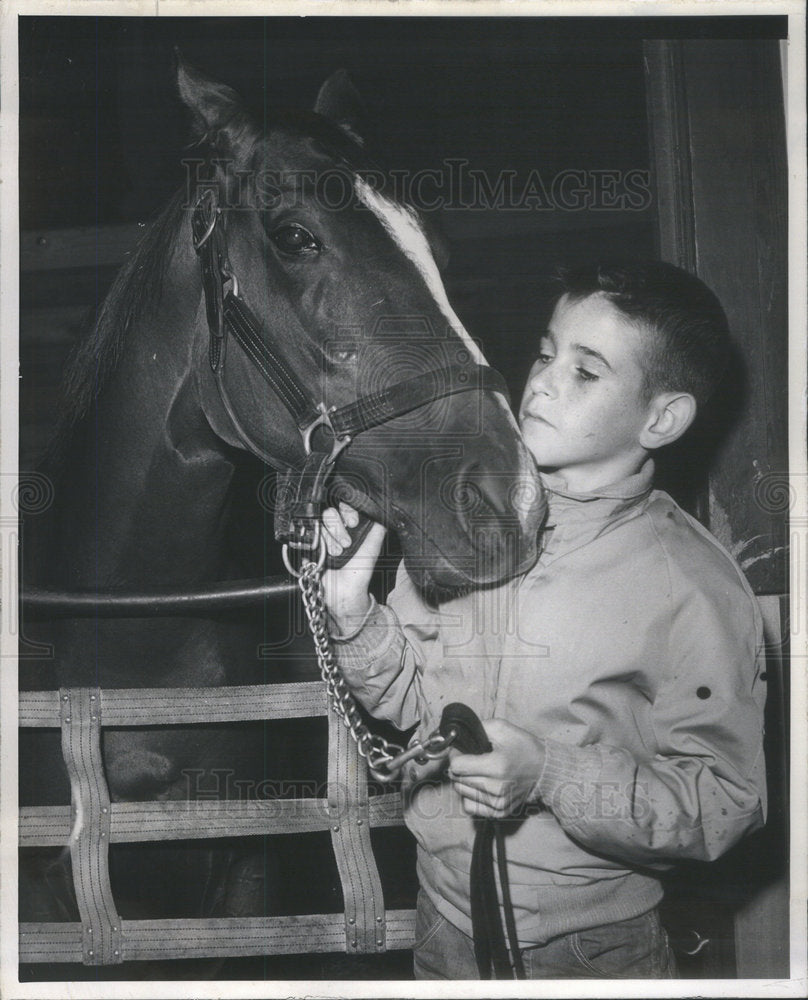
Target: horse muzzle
(483, 543)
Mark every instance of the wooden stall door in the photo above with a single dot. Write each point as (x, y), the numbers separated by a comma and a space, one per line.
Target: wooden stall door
(717, 131)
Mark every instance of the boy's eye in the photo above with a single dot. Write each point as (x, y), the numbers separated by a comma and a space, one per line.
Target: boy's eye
(587, 376)
(543, 358)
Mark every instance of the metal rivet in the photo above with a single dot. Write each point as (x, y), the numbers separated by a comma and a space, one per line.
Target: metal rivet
(379, 941)
(65, 698)
(92, 697)
(378, 920)
(90, 952)
(116, 952)
(351, 920)
(89, 930)
(93, 718)
(354, 944)
(103, 834)
(359, 822)
(335, 828)
(115, 929)
(67, 718)
(104, 809)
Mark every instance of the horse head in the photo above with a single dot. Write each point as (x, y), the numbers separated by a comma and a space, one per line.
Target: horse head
(342, 296)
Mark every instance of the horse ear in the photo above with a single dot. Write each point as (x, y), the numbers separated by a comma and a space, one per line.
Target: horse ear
(340, 102)
(217, 114)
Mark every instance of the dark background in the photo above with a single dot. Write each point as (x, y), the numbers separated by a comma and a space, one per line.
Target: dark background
(101, 130)
(102, 133)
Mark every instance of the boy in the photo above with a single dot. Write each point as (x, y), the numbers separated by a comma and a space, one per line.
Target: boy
(619, 679)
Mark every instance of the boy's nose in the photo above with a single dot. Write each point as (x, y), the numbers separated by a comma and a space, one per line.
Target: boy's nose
(541, 381)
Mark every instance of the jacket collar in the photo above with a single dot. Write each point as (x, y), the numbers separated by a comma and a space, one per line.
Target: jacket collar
(573, 519)
(631, 488)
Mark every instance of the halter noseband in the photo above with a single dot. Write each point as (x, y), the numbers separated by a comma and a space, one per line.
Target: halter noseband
(297, 516)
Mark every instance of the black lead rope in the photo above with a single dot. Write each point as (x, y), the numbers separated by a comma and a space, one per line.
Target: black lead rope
(490, 949)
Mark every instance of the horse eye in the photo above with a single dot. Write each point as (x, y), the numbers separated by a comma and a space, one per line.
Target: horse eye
(294, 240)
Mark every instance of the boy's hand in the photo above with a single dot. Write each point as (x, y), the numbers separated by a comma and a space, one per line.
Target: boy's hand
(346, 589)
(496, 784)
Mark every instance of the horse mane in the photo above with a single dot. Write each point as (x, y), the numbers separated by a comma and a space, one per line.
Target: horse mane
(94, 358)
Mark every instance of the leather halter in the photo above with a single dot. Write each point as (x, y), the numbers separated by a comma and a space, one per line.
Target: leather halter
(298, 515)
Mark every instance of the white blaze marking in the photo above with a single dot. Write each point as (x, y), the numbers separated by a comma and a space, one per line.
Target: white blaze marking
(403, 226)
(405, 229)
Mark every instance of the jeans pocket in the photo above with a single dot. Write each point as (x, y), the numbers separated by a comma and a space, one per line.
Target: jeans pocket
(628, 949)
(428, 921)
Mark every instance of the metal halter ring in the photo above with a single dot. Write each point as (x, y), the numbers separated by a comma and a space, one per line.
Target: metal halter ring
(229, 276)
(321, 556)
(324, 420)
(207, 198)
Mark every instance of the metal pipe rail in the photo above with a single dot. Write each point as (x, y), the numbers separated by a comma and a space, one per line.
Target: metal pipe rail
(227, 596)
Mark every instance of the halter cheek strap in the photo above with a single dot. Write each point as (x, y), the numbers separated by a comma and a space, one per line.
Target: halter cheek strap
(297, 522)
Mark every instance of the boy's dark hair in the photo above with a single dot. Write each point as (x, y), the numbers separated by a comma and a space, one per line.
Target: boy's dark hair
(691, 346)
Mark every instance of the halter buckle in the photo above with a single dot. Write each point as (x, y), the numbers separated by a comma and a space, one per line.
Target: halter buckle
(324, 420)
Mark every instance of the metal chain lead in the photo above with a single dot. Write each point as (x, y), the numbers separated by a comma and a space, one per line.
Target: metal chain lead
(378, 752)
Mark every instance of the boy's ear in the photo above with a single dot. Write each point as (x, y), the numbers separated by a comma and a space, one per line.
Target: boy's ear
(670, 415)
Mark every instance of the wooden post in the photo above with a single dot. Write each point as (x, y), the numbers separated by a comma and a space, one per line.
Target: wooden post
(717, 131)
(718, 136)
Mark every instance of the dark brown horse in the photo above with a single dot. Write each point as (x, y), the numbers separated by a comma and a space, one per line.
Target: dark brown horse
(342, 284)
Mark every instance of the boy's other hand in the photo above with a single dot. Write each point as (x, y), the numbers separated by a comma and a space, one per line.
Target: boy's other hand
(498, 783)
(346, 588)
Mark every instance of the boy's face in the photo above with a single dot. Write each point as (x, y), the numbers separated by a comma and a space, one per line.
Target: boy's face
(583, 408)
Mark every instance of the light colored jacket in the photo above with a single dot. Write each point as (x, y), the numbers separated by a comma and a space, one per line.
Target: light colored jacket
(634, 649)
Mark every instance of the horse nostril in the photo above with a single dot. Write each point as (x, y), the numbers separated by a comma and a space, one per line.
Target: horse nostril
(462, 496)
(488, 493)
(500, 514)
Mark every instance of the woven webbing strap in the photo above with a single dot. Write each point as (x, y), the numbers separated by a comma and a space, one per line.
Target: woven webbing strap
(132, 822)
(365, 929)
(179, 706)
(89, 836)
(221, 937)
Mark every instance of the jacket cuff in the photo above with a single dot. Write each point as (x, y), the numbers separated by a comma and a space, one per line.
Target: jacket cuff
(348, 636)
(567, 777)
(372, 638)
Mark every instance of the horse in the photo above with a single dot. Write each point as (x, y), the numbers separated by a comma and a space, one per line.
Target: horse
(344, 297)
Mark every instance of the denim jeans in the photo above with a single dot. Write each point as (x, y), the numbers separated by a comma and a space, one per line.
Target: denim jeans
(628, 949)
